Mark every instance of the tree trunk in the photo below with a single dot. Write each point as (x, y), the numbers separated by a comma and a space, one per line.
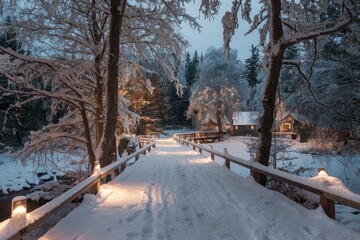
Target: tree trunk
(107, 151)
(87, 133)
(219, 123)
(99, 101)
(96, 35)
(275, 59)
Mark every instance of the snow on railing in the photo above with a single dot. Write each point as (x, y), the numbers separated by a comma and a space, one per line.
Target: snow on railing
(330, 189)
(16, 228)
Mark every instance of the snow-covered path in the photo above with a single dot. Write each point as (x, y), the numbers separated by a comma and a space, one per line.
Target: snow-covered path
(176, 193)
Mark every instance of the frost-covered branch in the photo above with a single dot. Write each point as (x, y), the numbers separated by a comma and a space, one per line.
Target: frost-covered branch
(316, 32)
(307, 80)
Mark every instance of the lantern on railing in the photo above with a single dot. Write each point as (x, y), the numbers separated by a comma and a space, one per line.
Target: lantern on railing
(322, 172)
(97, 167)
(18, 207)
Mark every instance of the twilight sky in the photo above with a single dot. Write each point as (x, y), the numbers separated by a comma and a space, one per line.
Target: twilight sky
(211, 33)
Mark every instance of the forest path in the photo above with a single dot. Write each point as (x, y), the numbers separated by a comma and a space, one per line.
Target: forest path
(177, 193)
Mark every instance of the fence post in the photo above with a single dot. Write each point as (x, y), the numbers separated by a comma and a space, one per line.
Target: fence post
(200, 150)
(136, 158)
(211, 153)
(122, 167)
(227, 162)
(327, 204)
(95, 188)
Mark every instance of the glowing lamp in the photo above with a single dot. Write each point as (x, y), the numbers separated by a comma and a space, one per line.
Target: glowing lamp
(18, 206)
(322, 172)
(252, 127)
(97, 167)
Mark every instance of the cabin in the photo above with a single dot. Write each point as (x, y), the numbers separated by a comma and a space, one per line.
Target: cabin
(292, 125)
(244, 123)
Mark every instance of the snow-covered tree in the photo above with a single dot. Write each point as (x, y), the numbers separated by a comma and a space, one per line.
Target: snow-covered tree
(281, 24)
(218, 91)
(70, 39)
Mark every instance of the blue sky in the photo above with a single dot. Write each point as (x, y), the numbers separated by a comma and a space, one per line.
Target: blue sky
(211, 33)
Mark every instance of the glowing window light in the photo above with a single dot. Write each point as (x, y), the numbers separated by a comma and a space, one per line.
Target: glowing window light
(18, 206)
(252, 127)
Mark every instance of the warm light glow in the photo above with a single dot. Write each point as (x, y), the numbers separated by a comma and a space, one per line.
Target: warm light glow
(18, 206)
(252, 127)
(20, 210)
(97, 168)
(201, 161)
(176, 153)
(322, 172)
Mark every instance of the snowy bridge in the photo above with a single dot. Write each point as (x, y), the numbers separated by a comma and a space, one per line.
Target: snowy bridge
(177, 193)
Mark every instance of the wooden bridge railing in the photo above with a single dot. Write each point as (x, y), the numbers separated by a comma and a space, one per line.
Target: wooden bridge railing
(202, 137)
(328, 196)
(12, 228)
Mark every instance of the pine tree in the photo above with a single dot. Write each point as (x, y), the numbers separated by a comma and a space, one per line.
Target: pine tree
(17, 122)
(252, 66)
(191, 68)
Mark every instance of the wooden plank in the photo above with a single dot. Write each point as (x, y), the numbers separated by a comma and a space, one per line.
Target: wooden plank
(342, 200)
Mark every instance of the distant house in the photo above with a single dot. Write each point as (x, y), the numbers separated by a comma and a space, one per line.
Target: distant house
(245, 123)
(292, 124)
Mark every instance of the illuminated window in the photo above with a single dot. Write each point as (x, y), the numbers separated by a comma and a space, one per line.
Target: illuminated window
(286, 127)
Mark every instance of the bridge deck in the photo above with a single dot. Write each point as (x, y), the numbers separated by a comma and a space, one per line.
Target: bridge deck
(176, 193)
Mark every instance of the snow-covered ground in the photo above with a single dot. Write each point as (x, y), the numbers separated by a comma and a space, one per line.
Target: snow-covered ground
(14, 176)
(176, 193)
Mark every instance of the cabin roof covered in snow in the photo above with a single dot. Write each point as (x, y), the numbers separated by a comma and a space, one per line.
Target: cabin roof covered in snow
(246, 118)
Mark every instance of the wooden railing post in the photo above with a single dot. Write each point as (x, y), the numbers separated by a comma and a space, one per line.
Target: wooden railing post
(95, 188)
(122, 167)
(227, 161)
(328, 206)
(211, 153)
